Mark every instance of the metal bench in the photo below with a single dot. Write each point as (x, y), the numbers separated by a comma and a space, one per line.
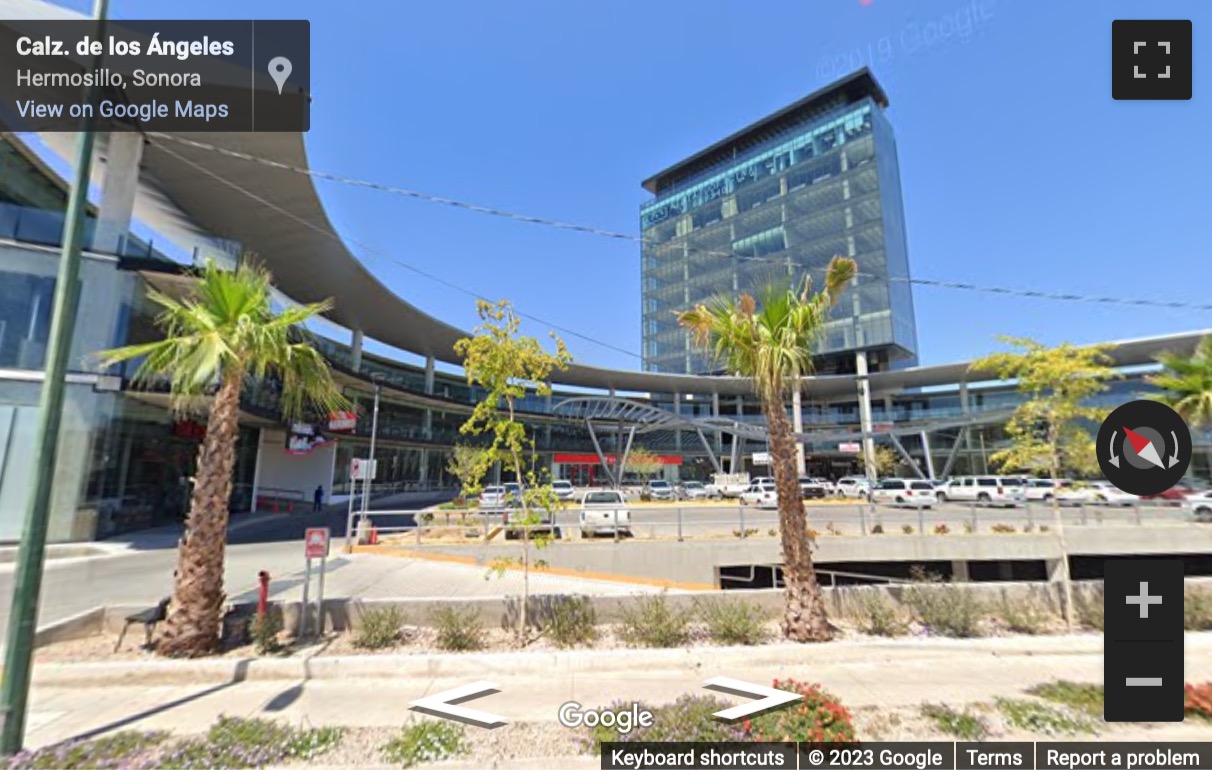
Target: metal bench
(149, 618)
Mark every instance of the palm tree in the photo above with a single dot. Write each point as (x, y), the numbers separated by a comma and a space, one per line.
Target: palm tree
(769, 338)
(223, 332)
(1186, 384)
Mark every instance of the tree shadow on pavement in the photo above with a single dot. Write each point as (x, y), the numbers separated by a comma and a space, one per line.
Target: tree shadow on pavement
(240, 675)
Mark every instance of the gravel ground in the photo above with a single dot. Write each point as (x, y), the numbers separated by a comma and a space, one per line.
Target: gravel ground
(415, 640)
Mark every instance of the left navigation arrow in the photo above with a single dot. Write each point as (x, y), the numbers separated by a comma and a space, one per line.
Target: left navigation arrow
(442, 705)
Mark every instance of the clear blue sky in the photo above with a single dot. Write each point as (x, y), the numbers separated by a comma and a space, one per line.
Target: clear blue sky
(1018, 168)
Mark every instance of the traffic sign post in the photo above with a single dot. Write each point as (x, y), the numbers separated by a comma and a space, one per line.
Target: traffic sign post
(315, 546)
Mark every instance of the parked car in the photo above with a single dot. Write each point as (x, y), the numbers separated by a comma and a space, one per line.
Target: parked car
(1093, 493)
(544, 524)
(1042, 490)
(989, 490)
(728, 484)
(692, 490)
(1200, 506)
(1176, 492)
(657, 490)
(812, 489)
(915, 492)
(604, 511)
(513, 490)
(761, 494)
(853, 486)
(492, 498)
(563, 489)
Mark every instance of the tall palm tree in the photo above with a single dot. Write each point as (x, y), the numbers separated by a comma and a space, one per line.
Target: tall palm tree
(1186, 384)
(223, 332)
(769, 338)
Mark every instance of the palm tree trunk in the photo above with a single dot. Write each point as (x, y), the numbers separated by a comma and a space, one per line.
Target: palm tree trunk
(805, 619)
(193, 625)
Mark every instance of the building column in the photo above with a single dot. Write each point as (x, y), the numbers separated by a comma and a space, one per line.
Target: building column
(959, 572)
(123, 155)
(864, 388)
(355, 346)
(427, 416)
(797, 421)
(715, 412)
(929, 457)
(677, 410)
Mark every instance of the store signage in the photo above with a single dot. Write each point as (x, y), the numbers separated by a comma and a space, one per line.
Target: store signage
(851, 446)
(342, 421)
(591, 459)
(761, 458)
(304, 438)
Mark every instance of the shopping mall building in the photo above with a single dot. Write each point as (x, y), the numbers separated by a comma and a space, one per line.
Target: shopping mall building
(815, 179)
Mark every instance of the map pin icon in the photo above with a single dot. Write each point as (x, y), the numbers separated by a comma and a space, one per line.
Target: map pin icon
(279, 70)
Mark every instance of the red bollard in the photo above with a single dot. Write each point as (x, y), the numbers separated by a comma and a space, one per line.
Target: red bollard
(263, 593)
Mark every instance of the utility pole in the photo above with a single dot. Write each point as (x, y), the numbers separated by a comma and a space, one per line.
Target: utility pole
(31, 555)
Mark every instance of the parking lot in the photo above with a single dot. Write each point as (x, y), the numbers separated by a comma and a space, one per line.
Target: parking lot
(715, 519)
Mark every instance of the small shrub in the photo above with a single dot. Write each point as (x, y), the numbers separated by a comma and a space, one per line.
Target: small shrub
(772, 532)
(1037, 717)
(943, 609)
(1024, 616)
(458, 628)
(962, 724)
(120, 750)
(820, 717)
(942, 529)
(813, 534)
(907, 529)
(1086, 698)
(688, 719)
(380, 628)
(732, 622)
(427, 742)
(880, 615)
(1043, 527)
(1197, 700)
(832, 530)
(1003, 529)
(1197, 610)
(747, 532)
(651, 622)
(236, 742)
(1028, 528)
(573, 621)
(969, 528)
(264, 629)
(878, 529)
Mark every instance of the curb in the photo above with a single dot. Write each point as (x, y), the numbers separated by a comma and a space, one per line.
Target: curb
(553, 664)
(605, 577)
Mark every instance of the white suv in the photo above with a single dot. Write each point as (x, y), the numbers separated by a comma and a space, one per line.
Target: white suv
(913, 492)
(990, 490)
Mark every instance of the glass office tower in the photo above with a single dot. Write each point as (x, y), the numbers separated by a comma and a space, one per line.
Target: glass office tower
(778, 200)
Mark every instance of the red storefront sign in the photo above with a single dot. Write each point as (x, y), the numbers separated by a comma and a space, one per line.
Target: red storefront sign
(589, 459)
(189, 429)
(342, 421)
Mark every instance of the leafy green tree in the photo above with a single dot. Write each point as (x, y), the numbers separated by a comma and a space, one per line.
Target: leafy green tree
(467, 464)
(1186, 384)
(1050, 431)
(222, 333)
(507, 365)
(887, 461)
(642, 462)
(769, 338)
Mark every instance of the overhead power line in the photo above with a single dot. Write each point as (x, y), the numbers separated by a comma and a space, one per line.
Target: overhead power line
(498, 212)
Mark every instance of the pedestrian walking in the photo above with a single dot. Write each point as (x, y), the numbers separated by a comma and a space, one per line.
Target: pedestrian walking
(317, 499)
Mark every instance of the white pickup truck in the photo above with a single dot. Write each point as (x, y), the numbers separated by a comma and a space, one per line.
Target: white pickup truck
(728, 484)
(604, 510)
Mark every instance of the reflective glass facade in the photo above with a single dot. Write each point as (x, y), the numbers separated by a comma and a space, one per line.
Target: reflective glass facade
(827, 185)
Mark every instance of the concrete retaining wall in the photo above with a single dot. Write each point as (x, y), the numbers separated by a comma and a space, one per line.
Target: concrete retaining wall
(501, 612)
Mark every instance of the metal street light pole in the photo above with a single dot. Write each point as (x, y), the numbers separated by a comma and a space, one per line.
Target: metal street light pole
(370, 465)
(31, 556)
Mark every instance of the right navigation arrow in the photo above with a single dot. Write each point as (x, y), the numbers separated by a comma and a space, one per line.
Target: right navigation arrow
(770, 698)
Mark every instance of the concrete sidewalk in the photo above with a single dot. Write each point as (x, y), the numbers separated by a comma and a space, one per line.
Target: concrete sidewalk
(888, 673)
